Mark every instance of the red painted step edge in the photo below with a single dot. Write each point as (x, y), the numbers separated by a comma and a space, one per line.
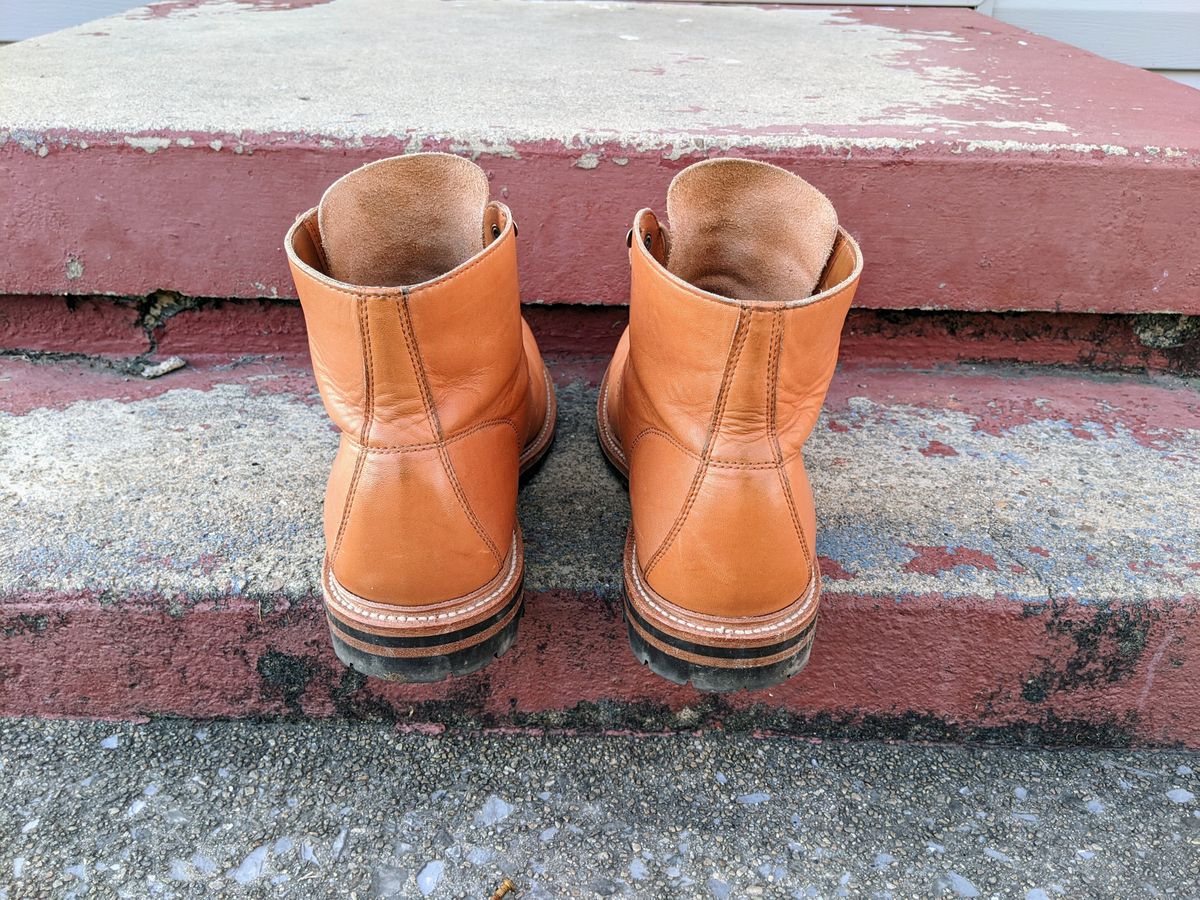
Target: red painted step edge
(981, 230)
(969, 668)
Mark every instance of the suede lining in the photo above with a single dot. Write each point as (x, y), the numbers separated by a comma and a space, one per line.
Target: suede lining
(748, 230)
(403, 220)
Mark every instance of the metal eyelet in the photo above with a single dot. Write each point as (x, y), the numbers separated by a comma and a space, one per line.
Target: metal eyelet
(648, 240)
(495, 231)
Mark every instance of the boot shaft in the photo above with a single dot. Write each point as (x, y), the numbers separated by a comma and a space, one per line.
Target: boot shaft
(737, 372)
(411, 300)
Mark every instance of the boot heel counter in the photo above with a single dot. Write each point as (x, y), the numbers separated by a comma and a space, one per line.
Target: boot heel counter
(399, 530)
(743, 547)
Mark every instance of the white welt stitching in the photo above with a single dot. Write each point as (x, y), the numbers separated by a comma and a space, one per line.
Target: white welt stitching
(806, 602)
(614, 444)
(341, 595)
(547, 420)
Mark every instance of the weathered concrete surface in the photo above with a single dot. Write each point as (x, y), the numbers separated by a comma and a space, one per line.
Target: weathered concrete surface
(979, 165)
(180, 809)
(643, 54)
(1006, 555)
(957, 482)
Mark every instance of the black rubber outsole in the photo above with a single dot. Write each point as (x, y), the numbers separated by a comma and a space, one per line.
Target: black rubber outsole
(717, 679)
(427, 668)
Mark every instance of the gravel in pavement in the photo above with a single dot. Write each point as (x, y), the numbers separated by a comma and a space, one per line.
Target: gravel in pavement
(175, 808)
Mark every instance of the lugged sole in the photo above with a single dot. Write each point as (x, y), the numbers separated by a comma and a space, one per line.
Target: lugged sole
(432, 642)
(685, 667)
(370, 653)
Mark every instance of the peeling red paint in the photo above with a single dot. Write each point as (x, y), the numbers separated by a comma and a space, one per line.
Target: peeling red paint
(167, 8)
(246, 328)
(985, 396)
(937, 448)
(1155, 414)
(98, 326)
(1134, 102)
(1156, 569)
(945, 210)
(572, 650)
(108, 326)
(832, 570)
(935, 560)
(28, 385)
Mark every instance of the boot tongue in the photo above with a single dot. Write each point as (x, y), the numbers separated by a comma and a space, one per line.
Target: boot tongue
(403, 220)
(748, 230)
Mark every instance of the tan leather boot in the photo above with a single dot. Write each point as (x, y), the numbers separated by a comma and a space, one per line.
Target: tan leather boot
(408, 279)
(734, 324)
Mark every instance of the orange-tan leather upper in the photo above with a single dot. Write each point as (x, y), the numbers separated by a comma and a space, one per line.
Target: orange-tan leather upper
(408, 280)
(734, 326)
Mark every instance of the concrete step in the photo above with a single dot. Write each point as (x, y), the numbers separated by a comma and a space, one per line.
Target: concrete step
(128, 332)
(303, 809)
(982, 167)
(1009, 554)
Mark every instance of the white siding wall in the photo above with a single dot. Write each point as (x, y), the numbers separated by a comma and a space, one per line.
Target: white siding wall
(20, 19)
(1163, 35)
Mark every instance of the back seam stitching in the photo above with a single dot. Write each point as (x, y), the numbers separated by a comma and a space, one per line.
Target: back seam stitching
(410, 342)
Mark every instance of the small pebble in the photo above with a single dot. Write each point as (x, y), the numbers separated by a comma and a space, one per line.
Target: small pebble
(961, 886)
(753, 799)
(251, 867)
(494, 810)
(429, 876)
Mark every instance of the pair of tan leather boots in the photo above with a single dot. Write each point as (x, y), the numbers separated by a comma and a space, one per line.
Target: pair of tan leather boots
(408, 279)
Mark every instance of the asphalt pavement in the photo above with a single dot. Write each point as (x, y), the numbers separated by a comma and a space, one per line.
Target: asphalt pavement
(185, 809)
